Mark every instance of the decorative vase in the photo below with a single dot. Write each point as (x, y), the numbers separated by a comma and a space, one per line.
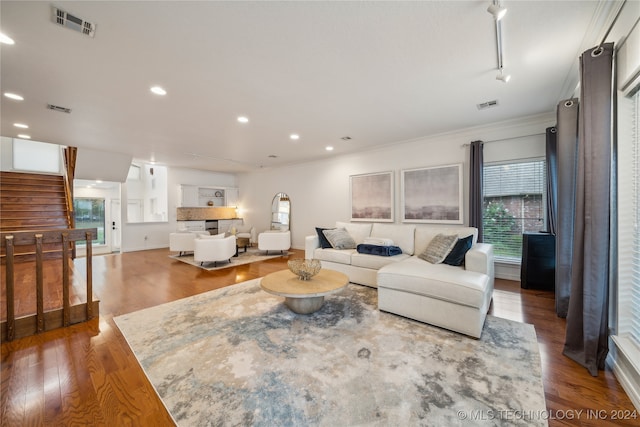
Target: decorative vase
(305, 269)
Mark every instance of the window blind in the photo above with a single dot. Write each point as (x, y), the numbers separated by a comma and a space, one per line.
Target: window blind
(514, 203)
(634, 312)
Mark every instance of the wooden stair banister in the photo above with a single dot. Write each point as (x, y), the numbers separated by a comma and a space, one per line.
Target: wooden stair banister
(70, 156)
(16, 328)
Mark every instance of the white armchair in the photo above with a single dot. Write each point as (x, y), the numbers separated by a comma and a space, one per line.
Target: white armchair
(274, 241)
(183, 242)
(214, 248)
(247, 232)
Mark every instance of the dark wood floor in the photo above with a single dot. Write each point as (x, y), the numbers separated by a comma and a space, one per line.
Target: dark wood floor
(87, 375)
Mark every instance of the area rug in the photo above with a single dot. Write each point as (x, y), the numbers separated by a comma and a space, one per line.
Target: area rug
(238, 356)
(251, 255)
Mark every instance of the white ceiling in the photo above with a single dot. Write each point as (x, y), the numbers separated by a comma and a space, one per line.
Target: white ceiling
(378, 72)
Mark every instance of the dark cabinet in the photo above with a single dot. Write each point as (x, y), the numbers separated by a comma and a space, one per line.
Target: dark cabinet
(538, 268)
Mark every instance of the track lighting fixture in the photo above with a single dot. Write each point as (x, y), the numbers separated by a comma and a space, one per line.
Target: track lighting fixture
(504, 78)
(496, 10)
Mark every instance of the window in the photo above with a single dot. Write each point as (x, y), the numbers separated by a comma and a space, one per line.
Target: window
(147, 190)
(89, 213)
(629, 252)
(626, 311)
(36, 156)
(514, 203)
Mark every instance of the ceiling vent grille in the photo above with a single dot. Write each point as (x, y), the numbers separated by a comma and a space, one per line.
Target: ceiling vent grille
(68, 20)
(58, 108)
(488, 104)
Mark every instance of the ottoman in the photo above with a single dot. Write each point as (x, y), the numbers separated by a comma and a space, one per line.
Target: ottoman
(438, 294)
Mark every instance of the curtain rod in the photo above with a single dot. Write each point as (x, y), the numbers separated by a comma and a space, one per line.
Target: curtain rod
(506, 139)
(612, 25)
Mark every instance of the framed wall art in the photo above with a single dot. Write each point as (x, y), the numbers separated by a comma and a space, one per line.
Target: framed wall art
(372, 197)
(432, 194)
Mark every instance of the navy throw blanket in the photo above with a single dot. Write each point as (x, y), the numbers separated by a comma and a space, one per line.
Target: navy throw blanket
(378, 250)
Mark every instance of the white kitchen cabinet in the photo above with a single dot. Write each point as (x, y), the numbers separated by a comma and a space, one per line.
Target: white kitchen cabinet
(191, 225)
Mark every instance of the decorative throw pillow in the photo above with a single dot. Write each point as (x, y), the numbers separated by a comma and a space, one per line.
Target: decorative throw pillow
(438, 248)
(340, 239)
(324, 243)
(456, 256)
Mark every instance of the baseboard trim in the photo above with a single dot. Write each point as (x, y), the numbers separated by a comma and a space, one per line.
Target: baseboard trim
(620, 359)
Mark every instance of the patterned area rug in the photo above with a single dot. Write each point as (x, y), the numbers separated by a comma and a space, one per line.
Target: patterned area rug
(251, 255)
(238, 356)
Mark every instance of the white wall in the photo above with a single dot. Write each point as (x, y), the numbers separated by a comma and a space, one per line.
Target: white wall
(152, 235)
(319, 191)
(6, 153)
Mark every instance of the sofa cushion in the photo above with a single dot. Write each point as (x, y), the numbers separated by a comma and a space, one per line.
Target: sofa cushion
(440, 281)
(456, 256)
(342, 256)
(324, 243)
(357, 231)
(401, 234)
(438, 248)
(375, 262)
(340, 238)
(424, 234)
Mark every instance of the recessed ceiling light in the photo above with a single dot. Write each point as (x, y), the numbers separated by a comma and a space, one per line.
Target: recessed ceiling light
(294, 136)
(243, 119)
(13, 96)
(23, 136)
(21, 125)
(328, 148)
(158, 90)
(6, 39)
(98, 181)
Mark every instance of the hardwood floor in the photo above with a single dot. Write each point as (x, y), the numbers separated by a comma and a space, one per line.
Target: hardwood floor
(87, 375)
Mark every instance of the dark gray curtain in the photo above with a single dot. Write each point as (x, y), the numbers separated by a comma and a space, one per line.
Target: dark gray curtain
(475, 186)
(552, 179)
(587, 318)
(566, 149)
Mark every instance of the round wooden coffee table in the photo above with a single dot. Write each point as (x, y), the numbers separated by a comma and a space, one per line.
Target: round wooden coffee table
(304, 296)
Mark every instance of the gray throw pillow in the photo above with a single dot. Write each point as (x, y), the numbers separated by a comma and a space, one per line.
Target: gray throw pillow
(438, 248)
(339, 238)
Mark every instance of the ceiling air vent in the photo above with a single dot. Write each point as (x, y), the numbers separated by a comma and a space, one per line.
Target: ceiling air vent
(68, 20)
(58, 108)
(488, 104)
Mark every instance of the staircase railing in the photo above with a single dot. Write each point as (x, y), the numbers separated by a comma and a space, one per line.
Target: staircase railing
(70, 155)
(43, 321)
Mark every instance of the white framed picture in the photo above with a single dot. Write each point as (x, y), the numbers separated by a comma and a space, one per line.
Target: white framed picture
(372, 197)
(432, 194)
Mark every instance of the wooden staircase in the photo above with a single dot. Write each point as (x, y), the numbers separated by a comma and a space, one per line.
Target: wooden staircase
(31, 202)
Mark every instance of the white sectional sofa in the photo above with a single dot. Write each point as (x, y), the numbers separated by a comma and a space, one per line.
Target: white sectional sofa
(451, 297)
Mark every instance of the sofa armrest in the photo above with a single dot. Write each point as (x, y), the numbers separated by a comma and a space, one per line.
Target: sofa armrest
(480, 259)
(311, 243)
